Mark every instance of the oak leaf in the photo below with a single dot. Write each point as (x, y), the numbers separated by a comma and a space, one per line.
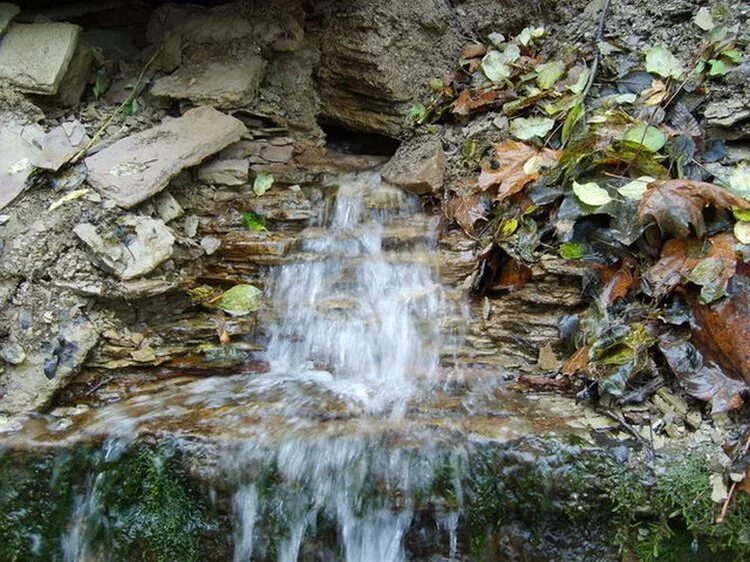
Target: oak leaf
(514, 166)
(676, 205)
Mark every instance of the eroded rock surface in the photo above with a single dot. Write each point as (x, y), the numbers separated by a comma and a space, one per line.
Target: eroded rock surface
(418, 166)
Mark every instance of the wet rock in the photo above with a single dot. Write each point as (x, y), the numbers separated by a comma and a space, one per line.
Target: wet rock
(35, 57)
(225, 84)
(730, 119)
(12, 353)
(417, 167)
(225, 172)
(137, 167)
(191, 226)
(76, 78)
(133, 248)
(7, 13)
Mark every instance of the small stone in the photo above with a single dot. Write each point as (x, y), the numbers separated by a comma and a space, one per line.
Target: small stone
(694, 419)
(35, 57)
(191, 226)
(210, 244)
(12, 353)
(137, 338)
(417, 167)
(718, 488)
(68, 411)
(278, 154)
(225, 172)
(61, 424)
(60, 145)
(50, 367)
(144, 355)
(133, 248)
(9, 425)
(548, 361)
(726, 113)
(167, 206)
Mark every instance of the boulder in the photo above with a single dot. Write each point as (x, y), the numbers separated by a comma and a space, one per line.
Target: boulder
(228, 83)
(35, 57)
(134, 247)
(417, 166)
(7, 13)
(139, 166)
(225, 172)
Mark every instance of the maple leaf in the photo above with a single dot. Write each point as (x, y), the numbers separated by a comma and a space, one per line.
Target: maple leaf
(465, 210)
(676, 205)
(514, 166)
(710, 264)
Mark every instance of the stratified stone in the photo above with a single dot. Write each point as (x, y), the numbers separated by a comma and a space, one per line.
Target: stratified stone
(18, 151)
(7, 13)
(220, 83)
(35, 57)
(60, 145)
(225, 172)
(417, 167)
(133, 248)
(137, 167)
(76, 77)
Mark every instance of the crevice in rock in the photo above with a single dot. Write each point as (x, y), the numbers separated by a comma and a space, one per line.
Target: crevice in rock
(346, 140)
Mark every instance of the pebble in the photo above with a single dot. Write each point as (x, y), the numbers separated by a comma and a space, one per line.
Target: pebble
(12, 353)
(191, 226)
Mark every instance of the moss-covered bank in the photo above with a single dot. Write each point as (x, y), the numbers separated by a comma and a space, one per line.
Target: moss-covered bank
(542, 500)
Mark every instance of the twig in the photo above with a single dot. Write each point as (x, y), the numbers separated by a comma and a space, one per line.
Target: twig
(137, 88)
(597, 52)
(626, 426)
(730, 495)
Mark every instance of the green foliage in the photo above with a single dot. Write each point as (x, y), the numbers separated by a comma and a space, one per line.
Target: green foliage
(255, 222)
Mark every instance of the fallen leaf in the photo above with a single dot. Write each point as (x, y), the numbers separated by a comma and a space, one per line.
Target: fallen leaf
(722, 330)
(240, 300)
(617, 281)
(739, 181)
(527, 128)
(548, 73)
(651, 138)
(703, 19)
(69, 197)
(702, 380)
(571, 251)
(513, 275)
(547, 360)
(528, 34)
(710, 265)
(660, 61)
(635, 189)
(474, 101)
(591, 194)
(683, 122)
(655, 94)
(571, 120)
(495, 66)
(742, 231)
(579, 361)
(676, 205)
(466, 210)
(473, 51)
(514, 166)
(263, 182)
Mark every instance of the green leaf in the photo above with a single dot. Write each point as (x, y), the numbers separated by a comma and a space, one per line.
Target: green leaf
(635, 189)
(741, 215)
(240, 300)
(511, 53)
(570, 251)
(572, 119)
(525, 128)
(742, 231)
(660, 61)
(417, 113)
(495, 67)
(707, 274)
(717, 67)
(528, 34)
(263, 182)
(254, 222)
(101, 82)
(549, 73)
(591, 194)
(651, 138)
(732, 55)
(580, 84)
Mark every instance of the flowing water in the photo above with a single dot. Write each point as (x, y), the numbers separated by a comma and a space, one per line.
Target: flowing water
(359, 444)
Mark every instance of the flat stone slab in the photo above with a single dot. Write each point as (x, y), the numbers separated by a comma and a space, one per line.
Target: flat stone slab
(139, 166)
(7, 13)
(225, 84)
(19, 149)
(34, 57)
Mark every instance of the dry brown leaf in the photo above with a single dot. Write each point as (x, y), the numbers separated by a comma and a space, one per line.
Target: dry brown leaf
(474, 101)
(514, 166)
(617, 280)
(576, 362)
(676, 205)
(466, 210)
(513, 275)
(473, 51)
(680, 257)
